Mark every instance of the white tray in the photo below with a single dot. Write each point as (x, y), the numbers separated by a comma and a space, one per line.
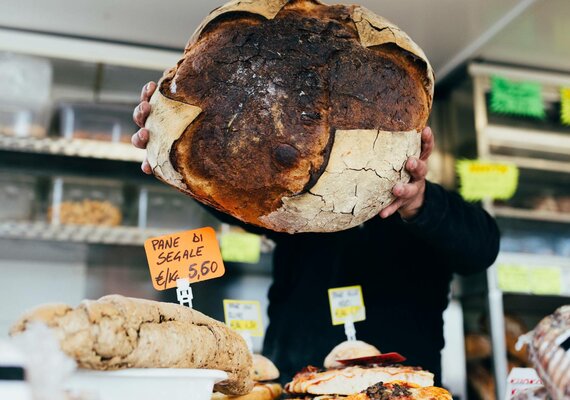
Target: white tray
(147, 383)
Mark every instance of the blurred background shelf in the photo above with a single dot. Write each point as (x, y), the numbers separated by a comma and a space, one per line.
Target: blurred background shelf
(534, 215)
(73, 148)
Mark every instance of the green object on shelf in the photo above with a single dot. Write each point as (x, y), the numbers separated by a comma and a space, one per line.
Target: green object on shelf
(546, 280)
(241, 247)
(480, 180)
(517, 98)
(513, 278)
(565, 106)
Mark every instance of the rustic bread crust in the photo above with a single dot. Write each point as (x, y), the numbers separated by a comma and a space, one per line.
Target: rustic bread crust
(261, 391)
(267, 90)
(120, 332)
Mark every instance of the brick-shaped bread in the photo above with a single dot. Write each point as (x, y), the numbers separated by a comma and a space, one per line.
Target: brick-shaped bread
(119, 332)
(293, 115)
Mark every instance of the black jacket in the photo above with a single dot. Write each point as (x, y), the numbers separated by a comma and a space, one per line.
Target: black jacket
(404, 268)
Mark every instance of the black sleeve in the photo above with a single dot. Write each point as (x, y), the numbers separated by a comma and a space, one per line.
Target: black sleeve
(464, 234)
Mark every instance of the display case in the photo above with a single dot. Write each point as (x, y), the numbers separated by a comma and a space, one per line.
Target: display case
(84, 201)
(20, 121)
(17, 197)
(96, 121)
(165, 208)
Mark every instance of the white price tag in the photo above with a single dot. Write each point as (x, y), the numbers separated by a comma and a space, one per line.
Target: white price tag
(346, 303)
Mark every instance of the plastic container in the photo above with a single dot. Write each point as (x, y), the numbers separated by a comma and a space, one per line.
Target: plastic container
(20, 121)
(106, 122)
(17, 197)
(86, 201)
(147, 383)
(164, 208)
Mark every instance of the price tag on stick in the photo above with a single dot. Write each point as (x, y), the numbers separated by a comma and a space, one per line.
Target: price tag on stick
(347, 307)
(244, 316)
(192, 255)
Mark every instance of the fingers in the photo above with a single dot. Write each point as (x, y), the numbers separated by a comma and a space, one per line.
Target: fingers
(391, 209)
(405, 191)
(140, 139)
(428, 143)
(140, 114)
(417, 168)
(145, 166)
(147, 91)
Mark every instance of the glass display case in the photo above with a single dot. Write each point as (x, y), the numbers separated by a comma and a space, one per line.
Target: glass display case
(17, 197)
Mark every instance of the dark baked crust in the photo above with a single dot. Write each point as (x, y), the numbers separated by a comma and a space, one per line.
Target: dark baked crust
(273, 92)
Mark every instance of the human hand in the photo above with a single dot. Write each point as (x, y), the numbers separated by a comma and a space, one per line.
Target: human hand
(140, 114)
(410, 196)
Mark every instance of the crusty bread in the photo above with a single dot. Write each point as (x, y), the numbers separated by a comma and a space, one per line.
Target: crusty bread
(347, 350)
(119, 332)
(291, 114)
(264, 369)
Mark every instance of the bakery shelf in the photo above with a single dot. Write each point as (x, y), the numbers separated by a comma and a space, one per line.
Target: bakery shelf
(92, 234)
(77, 233)
(535, 215)
(73, 148)
(533, 163)
(528, 139)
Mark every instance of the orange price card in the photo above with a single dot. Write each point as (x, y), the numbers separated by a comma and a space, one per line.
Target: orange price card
(194, 255)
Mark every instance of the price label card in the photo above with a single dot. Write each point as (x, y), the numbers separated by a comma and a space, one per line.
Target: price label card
(194, 255)
(479, 180)
(565, 105)
(241, 247)
(346, 302)
(244, 316)
(514, 278)
(546, 280)
(517, 98)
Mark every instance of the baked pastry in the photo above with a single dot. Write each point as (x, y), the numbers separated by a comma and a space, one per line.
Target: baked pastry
(477, 346)
(264, 369)
(291, 114)
(401, 391)
(550, 352)
(120, 332)
(351, 380)
(348, 350)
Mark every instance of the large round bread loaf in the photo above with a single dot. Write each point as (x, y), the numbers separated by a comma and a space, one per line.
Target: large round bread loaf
(291, 114)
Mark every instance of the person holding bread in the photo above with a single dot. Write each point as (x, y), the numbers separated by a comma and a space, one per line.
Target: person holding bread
(404, 259)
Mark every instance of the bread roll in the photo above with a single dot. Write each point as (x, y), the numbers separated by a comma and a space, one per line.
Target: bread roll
(264, 369)
(348, 350)
(120, 332)
(291, 114)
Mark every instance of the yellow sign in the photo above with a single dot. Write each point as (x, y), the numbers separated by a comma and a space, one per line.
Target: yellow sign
(565, 106)
(546, 280)
(244, 316)
(513, 278)
(346, 302)
(479, 180)
(241, 247)
(530, 279)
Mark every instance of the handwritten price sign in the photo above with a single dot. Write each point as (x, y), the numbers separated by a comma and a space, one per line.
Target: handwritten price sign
(194, 255)
(480, 180)
(346, 302)
(244, 316)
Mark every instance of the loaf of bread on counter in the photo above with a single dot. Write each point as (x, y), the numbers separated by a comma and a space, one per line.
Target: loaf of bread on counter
(119, 332)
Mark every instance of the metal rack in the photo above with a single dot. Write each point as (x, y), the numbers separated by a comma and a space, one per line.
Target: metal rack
(530, 149)
(73, 148)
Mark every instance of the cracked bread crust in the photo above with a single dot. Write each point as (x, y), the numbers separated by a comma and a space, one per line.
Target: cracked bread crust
(118, 332)
(277, 84)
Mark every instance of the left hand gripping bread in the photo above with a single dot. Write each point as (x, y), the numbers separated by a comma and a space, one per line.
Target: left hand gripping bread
(119, 332)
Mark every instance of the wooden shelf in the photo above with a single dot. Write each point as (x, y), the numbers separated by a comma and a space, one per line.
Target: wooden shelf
(528, 139)
(535, 215)
(73, 148)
